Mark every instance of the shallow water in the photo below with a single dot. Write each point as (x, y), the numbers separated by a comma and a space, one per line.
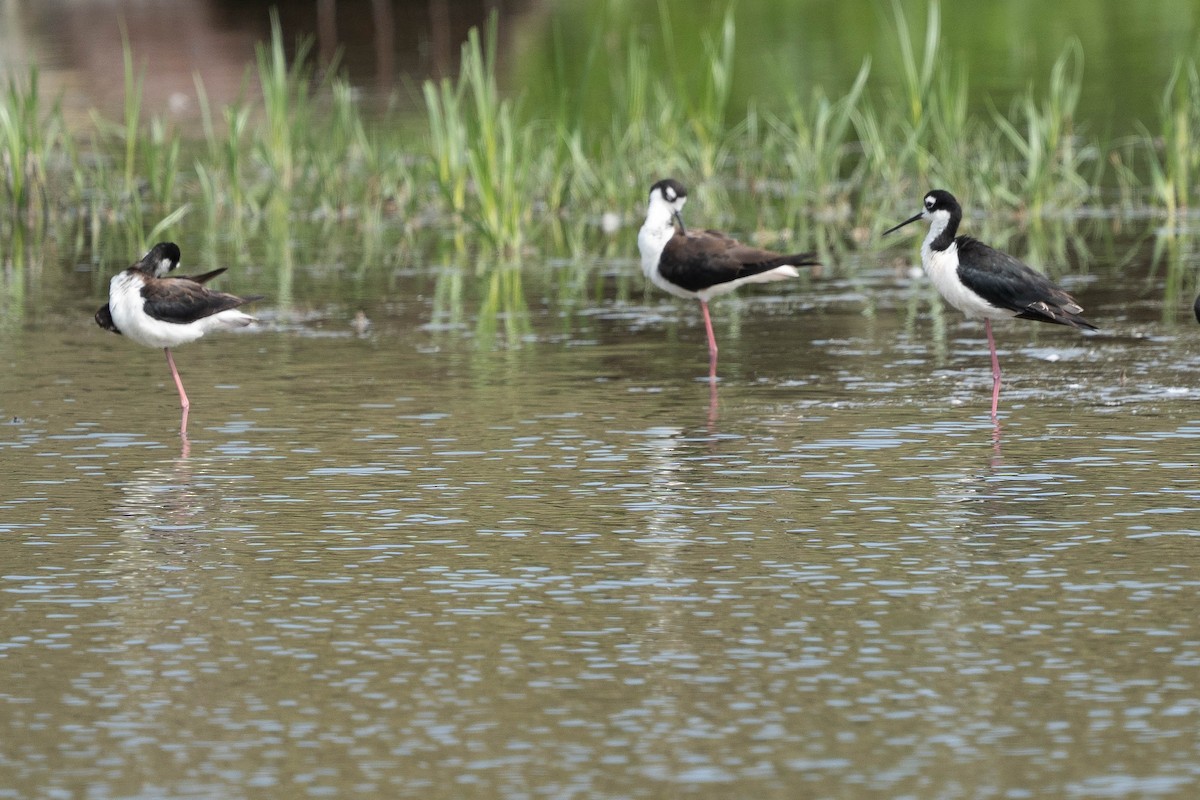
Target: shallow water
(403, 564)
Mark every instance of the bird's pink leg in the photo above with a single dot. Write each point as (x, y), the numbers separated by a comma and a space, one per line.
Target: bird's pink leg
(987, 324)
(183, 398)
(712, 342)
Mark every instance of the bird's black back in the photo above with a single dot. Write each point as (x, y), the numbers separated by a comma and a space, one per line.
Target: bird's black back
(699, 260)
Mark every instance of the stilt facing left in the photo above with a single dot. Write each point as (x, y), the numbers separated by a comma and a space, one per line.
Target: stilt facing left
(986, 283)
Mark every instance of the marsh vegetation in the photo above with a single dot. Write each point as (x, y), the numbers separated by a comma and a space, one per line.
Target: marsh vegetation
(490, 172)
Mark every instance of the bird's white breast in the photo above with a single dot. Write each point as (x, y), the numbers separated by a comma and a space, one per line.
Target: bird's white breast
(652, 240)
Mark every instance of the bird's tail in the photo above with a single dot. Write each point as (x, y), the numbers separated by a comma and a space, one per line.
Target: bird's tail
(793, 260)
(1066, 314)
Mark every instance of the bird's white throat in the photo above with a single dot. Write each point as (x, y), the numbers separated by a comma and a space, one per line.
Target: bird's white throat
(656, 231)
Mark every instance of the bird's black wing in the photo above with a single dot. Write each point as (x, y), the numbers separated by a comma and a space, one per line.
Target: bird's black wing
(1008, 283)
(205, 278)
(182, 300)
(702, 259)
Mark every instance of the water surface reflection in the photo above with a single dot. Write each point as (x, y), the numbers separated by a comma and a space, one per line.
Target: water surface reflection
(419, 562)
(524, 580)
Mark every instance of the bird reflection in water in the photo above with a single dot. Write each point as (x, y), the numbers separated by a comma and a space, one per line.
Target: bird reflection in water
(997, 457)
(163, 499)
(158, 499)
(712, 406)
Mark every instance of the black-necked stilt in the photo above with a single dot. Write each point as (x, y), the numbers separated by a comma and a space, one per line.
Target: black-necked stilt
(157, 310)
(1196, 308)
(983, 282)
(703, 264)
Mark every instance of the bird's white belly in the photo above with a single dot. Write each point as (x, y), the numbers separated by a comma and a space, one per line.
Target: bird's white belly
(777, 274)
(942, 268)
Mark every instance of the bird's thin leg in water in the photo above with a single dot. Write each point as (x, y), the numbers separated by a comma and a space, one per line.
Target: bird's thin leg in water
(183, 398)
(995, 368)
(712, 342)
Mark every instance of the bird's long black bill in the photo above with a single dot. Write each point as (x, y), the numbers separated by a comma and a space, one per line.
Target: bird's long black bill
(679, 219)
(902, 224)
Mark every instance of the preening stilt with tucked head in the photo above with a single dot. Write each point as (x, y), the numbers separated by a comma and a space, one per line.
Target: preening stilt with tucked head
(986, 283)
(148, 305)
(703, 264)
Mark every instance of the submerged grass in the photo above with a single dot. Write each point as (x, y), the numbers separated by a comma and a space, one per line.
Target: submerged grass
(484, 165)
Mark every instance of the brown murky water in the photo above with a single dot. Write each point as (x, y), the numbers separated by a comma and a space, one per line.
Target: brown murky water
(405, 565)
